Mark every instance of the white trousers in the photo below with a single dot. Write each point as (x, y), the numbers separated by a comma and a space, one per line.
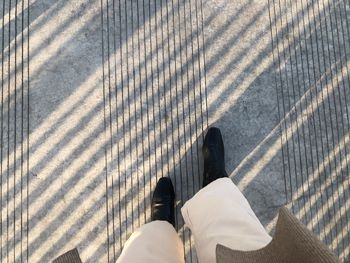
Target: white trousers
(217, 214)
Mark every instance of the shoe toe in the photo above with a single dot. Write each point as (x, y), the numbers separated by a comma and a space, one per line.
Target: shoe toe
(164, 188)
(213, 136)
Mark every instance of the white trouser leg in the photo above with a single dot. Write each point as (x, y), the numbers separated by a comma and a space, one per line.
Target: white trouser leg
(220, 214)
(154, 242)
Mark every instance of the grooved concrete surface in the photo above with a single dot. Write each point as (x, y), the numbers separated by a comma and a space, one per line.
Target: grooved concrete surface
(311, 50)
(116, 101)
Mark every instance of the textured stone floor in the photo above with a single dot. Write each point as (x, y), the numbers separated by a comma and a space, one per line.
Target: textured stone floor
(101, 98)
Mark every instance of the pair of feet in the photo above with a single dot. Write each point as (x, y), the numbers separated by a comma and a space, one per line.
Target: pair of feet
(163, 201)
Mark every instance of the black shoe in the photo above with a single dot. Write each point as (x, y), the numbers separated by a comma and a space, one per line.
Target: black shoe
(214, 156)
(163, 201)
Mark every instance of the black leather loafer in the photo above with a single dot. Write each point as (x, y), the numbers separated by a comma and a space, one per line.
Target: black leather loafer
(163, 201)
(214, 156)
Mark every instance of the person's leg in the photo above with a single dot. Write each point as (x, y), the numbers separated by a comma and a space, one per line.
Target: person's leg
(156, 241)
(219, 213)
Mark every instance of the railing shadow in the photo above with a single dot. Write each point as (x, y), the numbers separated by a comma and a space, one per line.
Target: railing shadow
(106, 136)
